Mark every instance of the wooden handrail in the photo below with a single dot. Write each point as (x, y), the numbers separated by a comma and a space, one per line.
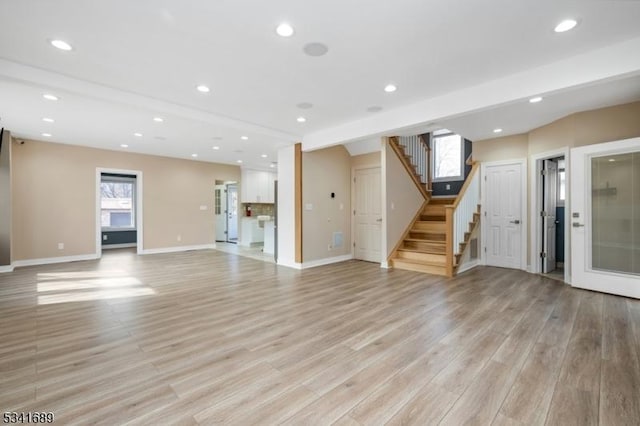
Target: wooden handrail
(401, 156)
(467, 182)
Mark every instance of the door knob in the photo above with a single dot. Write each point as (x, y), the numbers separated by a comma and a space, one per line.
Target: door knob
(517, 221)
(577, 225)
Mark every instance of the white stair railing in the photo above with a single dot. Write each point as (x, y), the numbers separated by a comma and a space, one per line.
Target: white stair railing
(416, 149)
(466, 205)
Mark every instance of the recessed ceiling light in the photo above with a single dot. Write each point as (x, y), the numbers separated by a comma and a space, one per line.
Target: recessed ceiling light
(194, 155)
(390, 88)
(264, 156)
(216, 148)
(48, 120)
(611, 160)
(301, 119)
(61, 44)
(46, 135)
(124, 145)
(272, 165)
(315, 49)
(535, 100)
(137, 135)
(239, 161)
(244, 138)
(497, 130)
(158, 119)
(50, 97)
(284, 30)
(305, 105)
(566, 25)
(202, 88)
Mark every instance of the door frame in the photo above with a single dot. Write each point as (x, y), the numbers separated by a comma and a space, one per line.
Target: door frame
(536, 206)
(227, 184)
(139, 216)
(354, 169)
(522, 162)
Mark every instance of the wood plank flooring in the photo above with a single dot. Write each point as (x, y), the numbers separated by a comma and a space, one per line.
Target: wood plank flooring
(212, 338)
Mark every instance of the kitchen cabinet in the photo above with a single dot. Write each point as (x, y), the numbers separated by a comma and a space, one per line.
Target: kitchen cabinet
(257, 186)
(252, 233)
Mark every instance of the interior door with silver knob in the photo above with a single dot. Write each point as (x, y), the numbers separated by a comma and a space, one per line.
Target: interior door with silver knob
(605, 229)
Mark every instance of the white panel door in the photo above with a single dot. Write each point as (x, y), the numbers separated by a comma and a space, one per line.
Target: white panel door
(368, 215)
(605, 217)
(549, 215)
(504, 224)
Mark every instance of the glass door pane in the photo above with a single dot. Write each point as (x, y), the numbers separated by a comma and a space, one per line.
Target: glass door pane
(615, 213)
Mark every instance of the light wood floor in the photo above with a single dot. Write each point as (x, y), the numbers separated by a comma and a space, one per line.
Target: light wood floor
(209, 337)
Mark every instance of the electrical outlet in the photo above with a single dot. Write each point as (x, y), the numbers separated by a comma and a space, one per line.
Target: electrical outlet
(448, 187)
(179, 237)
(60, 246)
(329, 247)
(105, 237)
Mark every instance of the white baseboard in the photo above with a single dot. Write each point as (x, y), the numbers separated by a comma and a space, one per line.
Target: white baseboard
(385, 265)
(6, 268)
(117, 246)
(178, 249)
(293, 265)
(327, 261)
(51, 260)
(467, 266)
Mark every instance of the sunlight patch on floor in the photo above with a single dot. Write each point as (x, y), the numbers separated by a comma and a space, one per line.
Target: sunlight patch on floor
(64, 287)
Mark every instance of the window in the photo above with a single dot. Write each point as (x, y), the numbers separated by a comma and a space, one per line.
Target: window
(447, 156)
(218, 203)
(562, 182)
(117, 202)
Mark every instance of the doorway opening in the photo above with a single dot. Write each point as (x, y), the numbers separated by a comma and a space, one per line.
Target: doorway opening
(553, 188)
(549, 210)
(367, 214)
(118, 210)
(226, 211)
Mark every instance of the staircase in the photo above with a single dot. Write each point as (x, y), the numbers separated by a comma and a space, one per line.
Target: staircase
(438, 237)
(424, 248)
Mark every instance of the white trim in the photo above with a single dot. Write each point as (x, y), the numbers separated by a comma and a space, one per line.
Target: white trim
(50, 260)
(6, 268)
(536, 206)
(524, 231)
(293, 265)
(385, 265)
(326, 261)
(467, 266)
(178, 249)
(117, 246)
(139, 212)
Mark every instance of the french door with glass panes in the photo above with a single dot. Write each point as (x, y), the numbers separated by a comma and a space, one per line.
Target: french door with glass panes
(605, 217)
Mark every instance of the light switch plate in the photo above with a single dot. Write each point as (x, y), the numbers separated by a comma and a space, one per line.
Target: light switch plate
(308, 206)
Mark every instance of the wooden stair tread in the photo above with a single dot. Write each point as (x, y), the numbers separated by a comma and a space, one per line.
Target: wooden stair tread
(422, 240)
(419, 251)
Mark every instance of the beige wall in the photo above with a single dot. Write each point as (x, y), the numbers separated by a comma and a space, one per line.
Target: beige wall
(323, 172)
(402, 198)
(499, 149)
(372, 159)
(55, 198)
(583, 128)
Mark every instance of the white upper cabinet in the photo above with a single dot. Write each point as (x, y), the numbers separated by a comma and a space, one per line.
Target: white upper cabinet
(257, 186)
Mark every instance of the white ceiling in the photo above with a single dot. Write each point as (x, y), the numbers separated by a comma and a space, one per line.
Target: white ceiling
(133, 60)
